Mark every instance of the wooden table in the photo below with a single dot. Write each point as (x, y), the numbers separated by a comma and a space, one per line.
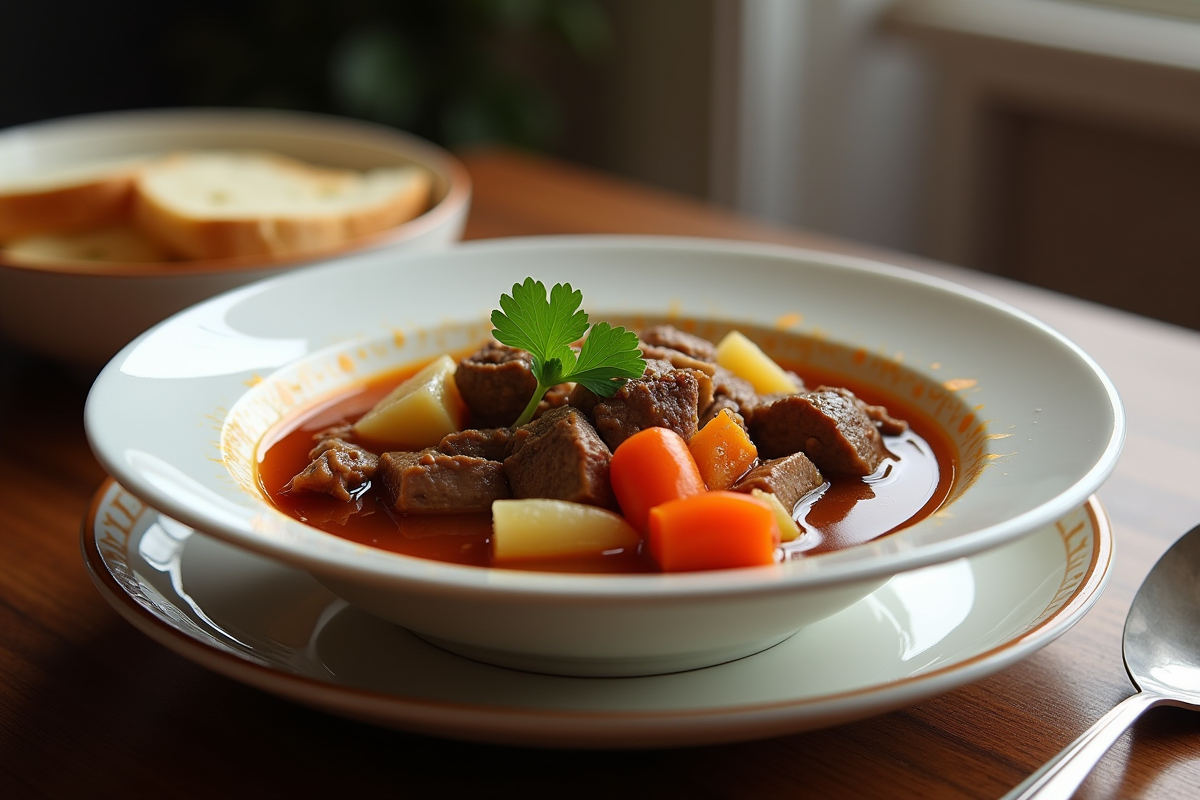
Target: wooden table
(91, 707)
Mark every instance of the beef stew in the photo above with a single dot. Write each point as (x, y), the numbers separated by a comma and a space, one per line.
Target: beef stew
(842, 459)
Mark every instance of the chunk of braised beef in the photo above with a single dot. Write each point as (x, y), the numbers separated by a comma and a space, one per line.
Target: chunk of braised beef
(718, 405)
(585, 399)
(555, 397)
(489, 443)
(432, 482)
(732, 392)
(887, 424)
(656, 367)
(675, 339)
(677, 359)
(789, 478)
(560, 456)
(828, 425)
(704, 391)
(337, 469)
(740, 390)
(666, 400)
(496, 382)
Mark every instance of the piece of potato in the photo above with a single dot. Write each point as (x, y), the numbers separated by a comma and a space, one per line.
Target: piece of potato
(788, 529)
(538, 527)
(418, 412)
(745, 359)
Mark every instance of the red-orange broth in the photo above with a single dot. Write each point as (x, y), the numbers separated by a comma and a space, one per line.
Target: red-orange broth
(905, 489)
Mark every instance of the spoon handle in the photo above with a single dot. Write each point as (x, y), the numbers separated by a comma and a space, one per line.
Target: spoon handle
(1060, 776)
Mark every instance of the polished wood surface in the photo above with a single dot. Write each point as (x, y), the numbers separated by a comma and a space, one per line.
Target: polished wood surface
(91, 707)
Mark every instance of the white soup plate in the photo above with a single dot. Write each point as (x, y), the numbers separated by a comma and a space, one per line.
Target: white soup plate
(178, 416)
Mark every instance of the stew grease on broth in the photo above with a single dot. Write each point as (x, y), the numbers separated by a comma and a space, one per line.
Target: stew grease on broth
(908, 486)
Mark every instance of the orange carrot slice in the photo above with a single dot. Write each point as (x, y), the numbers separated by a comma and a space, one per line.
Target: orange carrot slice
(652, 467)
(713, 530)
(723, 451)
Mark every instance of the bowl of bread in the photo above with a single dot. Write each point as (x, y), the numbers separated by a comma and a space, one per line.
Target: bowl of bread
(112, 222)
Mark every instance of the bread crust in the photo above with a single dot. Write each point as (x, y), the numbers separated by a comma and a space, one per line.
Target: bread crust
(98, 201)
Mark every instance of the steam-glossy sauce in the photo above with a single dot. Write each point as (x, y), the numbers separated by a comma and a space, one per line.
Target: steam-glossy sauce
(906, 488)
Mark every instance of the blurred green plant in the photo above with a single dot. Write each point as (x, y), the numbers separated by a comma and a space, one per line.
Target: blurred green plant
(457, 72)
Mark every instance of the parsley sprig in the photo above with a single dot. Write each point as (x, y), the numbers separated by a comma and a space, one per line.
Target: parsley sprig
(547, 329)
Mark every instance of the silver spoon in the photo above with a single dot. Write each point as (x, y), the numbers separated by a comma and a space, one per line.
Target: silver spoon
(1162, 657)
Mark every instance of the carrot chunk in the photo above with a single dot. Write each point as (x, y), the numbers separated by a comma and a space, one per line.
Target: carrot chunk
(649, 468)
(723, 451)
(713, 530)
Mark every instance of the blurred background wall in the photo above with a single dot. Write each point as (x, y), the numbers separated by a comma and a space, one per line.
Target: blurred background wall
(1053, 141)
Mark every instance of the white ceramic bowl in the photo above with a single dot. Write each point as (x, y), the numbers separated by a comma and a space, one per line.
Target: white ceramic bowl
(178, 415)
(83, 313)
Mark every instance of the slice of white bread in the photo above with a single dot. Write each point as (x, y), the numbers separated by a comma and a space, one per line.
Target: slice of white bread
(115, 244)
(226, 204)
(67, 198)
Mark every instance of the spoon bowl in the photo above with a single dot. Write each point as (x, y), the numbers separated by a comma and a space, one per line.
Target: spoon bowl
(1161, 644)
(1162, 632)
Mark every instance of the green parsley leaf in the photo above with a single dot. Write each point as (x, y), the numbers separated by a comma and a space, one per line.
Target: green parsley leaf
(548, 328)
(608, 354)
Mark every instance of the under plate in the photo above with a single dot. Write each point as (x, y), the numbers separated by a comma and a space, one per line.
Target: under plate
(274, 627)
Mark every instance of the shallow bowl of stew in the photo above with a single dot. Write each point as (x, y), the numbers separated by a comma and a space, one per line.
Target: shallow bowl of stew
(1020, 427)
(79, 294)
